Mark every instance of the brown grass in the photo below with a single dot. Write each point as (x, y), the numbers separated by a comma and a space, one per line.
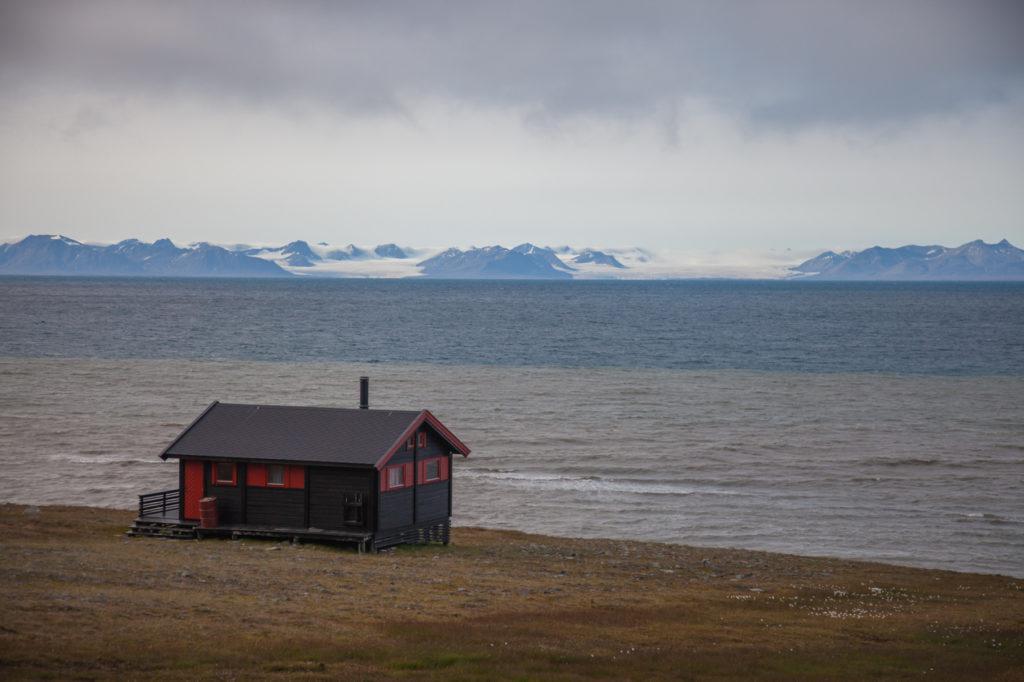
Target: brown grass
(82, 601)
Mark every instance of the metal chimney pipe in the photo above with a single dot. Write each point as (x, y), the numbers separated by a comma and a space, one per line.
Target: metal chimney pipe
(364, 393)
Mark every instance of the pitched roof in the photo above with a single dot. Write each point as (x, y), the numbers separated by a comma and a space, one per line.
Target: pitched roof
(329, 435)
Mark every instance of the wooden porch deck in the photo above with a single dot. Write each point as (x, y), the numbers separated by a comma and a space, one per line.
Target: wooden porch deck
(159, 517)
(162, 525)
(171, 526)
(362, 539)
(169, 517)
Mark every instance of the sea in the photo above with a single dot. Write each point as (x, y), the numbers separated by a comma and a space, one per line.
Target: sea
(876, 421)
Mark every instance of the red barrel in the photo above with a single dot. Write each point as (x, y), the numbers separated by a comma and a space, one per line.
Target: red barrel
(208, 512)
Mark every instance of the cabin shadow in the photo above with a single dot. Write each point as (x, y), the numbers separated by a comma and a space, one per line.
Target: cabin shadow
(371, 479)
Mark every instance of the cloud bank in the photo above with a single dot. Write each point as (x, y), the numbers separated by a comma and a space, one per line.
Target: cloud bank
(784, 63)
(701, 124)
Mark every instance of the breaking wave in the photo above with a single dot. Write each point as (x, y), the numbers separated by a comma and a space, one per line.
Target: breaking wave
(596, 484)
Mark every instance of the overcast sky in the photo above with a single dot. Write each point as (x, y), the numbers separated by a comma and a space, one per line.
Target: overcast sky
(684, 126)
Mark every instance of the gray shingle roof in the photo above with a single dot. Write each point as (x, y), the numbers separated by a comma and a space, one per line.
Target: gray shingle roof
(300, 434)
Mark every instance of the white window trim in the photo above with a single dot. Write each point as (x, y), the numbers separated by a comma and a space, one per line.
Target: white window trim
(400, 468)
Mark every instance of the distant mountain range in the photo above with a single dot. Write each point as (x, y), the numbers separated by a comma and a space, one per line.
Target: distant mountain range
(971, 261)
(46, 254)
(299, 254)
(60, 255)
(525, 261)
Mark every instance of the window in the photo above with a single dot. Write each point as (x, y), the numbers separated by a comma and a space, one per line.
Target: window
(288, 476)
(409, 443)
(422, 436)
(353, 513)
(397, 477)
(224, 473)
(275, 474)
(432, 470)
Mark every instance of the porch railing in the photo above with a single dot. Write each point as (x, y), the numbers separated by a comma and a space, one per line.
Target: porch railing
(163, 503)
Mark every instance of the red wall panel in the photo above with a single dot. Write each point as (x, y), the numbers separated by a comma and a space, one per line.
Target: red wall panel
(193, 488)
(257, 475)
(296, 477)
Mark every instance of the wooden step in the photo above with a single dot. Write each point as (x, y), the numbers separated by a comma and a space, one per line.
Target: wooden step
(163, 531)
(159, 524)
(159, 529)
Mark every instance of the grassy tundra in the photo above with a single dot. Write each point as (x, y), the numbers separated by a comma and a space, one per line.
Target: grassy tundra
(81, 600)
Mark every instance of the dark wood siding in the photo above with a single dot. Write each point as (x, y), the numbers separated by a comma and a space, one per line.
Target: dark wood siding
(432, 498)
(229, 497)
(275, 507)
(435, 445)
(402, 455)
(395, 508)
(327, 487)
(432, 501)
(229, 502)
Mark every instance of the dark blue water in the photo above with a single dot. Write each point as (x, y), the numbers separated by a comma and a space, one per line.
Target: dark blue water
(906, 328)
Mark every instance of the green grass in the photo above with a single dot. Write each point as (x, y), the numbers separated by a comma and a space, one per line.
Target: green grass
(438, 661)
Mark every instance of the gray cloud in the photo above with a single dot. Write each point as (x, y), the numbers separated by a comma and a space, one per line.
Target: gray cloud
(779, 63)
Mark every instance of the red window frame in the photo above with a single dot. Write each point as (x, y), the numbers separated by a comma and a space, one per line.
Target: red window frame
(215, 480)
(421, 439)
(407, 477)
(410, 443)
(442, 470)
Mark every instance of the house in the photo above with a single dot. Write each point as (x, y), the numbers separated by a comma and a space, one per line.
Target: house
(374, 478)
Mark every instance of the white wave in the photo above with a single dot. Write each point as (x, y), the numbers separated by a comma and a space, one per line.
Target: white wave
(593, 484)
(104, 459)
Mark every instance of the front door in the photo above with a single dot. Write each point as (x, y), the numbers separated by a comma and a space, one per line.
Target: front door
(193, 488)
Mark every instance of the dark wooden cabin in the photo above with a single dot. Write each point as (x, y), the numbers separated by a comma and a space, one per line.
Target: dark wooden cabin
(375, 478)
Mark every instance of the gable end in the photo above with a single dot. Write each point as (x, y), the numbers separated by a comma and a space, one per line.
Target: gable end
(425, 417)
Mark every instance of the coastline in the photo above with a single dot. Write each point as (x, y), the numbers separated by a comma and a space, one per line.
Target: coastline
(492, 604)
